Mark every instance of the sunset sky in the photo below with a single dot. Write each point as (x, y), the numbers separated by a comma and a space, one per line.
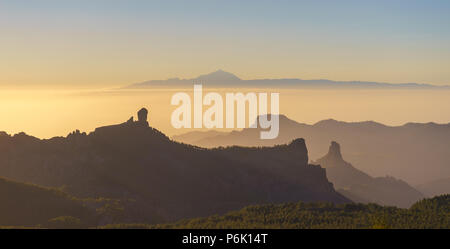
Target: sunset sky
(97, 43)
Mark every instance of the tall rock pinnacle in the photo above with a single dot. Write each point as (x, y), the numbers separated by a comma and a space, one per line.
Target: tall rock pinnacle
(334, 151)
(142, 117)
(299, 146)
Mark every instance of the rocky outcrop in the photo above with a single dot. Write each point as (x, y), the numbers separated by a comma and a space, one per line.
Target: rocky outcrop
(141, 122)
(142, 117)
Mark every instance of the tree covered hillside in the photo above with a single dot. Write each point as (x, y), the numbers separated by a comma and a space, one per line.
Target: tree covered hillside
(427, 213)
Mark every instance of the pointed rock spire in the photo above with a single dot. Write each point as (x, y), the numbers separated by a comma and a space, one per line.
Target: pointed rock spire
(334, 151)
(142, 117)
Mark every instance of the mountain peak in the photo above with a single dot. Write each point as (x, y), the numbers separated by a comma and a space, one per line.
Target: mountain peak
(327, 122)
(218, 75)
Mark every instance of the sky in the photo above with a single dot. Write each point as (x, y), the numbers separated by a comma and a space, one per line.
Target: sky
(102, 43)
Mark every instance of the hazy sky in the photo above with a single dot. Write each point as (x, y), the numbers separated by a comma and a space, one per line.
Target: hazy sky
(105, 42)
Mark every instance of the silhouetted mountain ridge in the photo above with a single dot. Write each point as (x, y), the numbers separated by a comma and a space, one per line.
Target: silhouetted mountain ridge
(161, 180)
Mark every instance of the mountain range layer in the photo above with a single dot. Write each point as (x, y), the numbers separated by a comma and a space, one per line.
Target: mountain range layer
(415, 152)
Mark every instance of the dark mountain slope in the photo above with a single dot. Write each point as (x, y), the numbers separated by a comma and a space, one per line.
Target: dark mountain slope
(360, 187)
(29, 205)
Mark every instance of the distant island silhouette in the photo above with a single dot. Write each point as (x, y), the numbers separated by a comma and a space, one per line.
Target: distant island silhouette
(222, 79)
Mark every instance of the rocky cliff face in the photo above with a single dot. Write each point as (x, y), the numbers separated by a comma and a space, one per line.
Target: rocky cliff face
(360, 187)
(161, 180)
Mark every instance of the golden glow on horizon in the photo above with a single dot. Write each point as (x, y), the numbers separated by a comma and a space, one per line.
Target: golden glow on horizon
(46, 114)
